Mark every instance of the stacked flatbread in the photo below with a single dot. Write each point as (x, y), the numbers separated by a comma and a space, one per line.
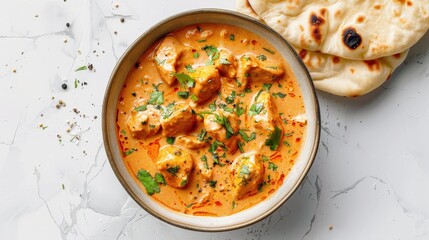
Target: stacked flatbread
(350, 47)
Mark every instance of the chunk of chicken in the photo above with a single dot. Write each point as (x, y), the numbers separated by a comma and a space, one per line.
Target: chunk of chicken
(222, 126)
(177, 118)
(175, 164)
(207, 83)
(247, 173)
(167, 57)
(252, 69)
(143, 124)
(264, 113)
(205, 170)
(226, 64)
(190, 142)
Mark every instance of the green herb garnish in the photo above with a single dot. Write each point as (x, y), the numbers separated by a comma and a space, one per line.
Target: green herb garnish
(194, 98)
(185, 80)
(204, 159)
(255, 109)
(183, 94)
(269, 50)
(160, 179)
(261, 57)
(81, 68)
(267, 86)
(148, 182)
(231, 37)
(173, 170)
(272, 166)
(189, 68)
(245, 137)
(170, 140)
(129, 151)
(273, 140)
(212, 183)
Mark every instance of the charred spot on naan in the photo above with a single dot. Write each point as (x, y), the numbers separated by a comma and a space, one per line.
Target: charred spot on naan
(317, 25)
(373, 65)
(351, 38)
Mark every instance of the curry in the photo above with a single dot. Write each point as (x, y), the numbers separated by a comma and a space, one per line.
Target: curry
(210, 120)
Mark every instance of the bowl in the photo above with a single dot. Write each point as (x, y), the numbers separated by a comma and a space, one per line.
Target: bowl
(297, 173)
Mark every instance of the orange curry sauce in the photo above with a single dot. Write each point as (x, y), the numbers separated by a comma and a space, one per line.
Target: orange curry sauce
(211, 119)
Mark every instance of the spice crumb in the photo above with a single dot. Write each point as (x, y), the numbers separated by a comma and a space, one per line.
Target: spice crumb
(64, 86)
(122, 20)
(67, 24)
(14, 70)
(331, 227)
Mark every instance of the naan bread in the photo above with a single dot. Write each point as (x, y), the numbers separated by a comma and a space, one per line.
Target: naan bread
(352, 29)
(337, 75)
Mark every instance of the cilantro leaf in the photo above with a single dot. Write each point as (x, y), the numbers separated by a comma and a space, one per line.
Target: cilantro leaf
(204, 159)
(231, 37)
(140, 108)
(245, 137)
(189, 68)
(183, 94)
(129, 151)
(273, 140)
(160, 179)
(244, 170)
(255, 109)
(269, 50)
(272, 166)
(279, 94)
(240, 146)
(173, 170)
(261, 57)
(170, 140)
(156, 97)
(184, 79)
(81, 68)
(267, 86)
(212, 183)
(168, 111)
(148, 182)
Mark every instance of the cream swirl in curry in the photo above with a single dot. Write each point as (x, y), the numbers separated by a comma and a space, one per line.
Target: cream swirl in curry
(210, 120)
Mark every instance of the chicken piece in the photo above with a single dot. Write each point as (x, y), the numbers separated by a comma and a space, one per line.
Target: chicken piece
(207, 83)
(175, 164)
(167, 57)
(144, 121)
(177, 118)
(205, 170)
(190, 142)
(222, 126)
(247, 173)
(263, 113)
(252, 69)
(226, 64)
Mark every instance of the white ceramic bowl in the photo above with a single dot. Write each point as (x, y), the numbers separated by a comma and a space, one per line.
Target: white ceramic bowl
(291, 182)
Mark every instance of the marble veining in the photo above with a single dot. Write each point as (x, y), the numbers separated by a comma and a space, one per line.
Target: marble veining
(369, 181)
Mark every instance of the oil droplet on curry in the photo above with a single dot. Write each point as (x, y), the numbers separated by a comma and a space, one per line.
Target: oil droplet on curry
(210, 120)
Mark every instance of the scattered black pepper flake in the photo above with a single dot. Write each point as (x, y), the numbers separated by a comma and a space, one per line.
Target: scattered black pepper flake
(64, 86)
(90, 67)
(67, 24)
(122, 20)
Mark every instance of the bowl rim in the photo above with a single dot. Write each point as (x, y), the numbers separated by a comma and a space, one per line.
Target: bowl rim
(110, 155)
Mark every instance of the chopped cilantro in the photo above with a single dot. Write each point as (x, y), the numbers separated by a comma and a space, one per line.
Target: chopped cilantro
(230, 98)
(160, 179)
(286, 143)
(196, 55)
(272, 166)
(222, 120)
(168, 111)
(202, 135)
(269, 50)
(261, 57)
(244, 170)
(265, 158)
(140, 108)
(212, 183)
(240, 146)
(201, 40)
(266, 86)
(184, 79)
(238, 83)
(204, 159)
(255, 109)
(81, 68)
(245, 137)
(239, 110)
(212, 52)
(194, 98)
(279, 94)
(273, 140)
(76, 83)
(156, 97)
(148, 182)
(231, 37)
(170, 140)
(129, 151)
(183, 94)
(189, 68)
(212, 106)
(173, 170)
(159, 62)
(183, 182)
(123, 132)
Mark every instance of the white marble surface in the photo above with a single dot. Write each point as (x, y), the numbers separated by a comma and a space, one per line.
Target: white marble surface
(370, 179)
